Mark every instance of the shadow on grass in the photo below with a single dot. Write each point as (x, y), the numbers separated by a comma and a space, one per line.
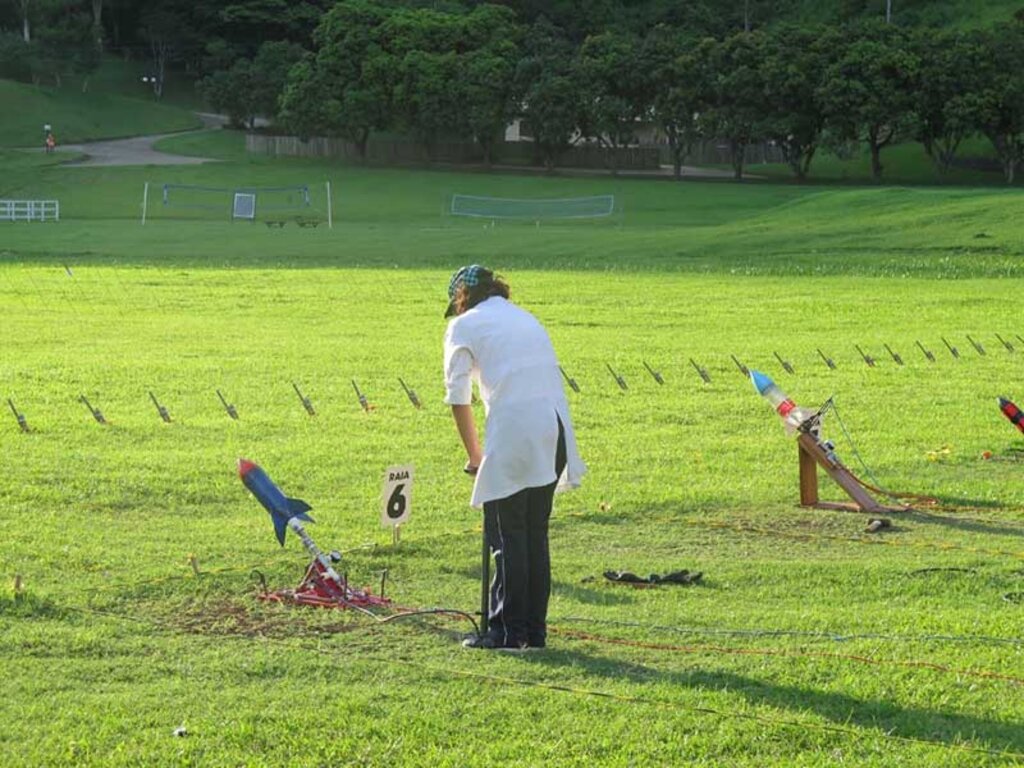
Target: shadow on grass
(591, 596)
(884, 717)
(572, 590)
(989, 528)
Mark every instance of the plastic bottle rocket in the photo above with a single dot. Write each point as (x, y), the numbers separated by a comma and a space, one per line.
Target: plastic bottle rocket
(792, 415)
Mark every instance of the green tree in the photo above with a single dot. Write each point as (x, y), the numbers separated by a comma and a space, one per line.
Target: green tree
(487, 74)
(271, 20)
(736, 92)
(428, 97)
(617, 87)
(345, 89)
(679, 90)
(998, 105)
(796, 59)
(868, 93)
(950, 67)
(165, 26)
(552, 103)
(67, 47)
(251, 89)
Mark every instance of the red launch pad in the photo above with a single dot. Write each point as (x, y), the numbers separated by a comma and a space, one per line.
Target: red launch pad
(319, 590)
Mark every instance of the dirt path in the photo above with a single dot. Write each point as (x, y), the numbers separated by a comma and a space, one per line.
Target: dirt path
(139, 150)
(134, 151)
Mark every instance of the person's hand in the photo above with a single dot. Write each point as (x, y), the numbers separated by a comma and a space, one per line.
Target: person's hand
(473, 465)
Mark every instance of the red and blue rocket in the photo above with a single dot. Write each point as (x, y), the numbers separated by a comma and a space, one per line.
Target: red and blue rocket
(281, 508)
(1012, 412)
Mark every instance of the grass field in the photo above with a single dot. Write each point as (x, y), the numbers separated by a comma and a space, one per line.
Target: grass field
(808, 643)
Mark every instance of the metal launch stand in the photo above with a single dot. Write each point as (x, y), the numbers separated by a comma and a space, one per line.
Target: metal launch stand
(322, 586)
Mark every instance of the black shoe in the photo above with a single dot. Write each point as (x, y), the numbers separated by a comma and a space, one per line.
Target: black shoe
(492, 643)
(536, 642)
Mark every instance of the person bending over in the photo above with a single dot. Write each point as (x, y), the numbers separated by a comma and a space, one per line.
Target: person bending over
(529, 447)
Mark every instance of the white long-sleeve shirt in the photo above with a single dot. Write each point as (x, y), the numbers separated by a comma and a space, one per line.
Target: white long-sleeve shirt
(508, 353)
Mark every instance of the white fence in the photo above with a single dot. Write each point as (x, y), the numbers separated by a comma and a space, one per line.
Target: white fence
(29, 210)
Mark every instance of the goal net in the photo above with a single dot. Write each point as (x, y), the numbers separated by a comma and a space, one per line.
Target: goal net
(532, 209)
(189, 201)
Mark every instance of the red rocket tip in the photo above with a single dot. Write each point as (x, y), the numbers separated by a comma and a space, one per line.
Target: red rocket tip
(245, 467)
(1003, 402)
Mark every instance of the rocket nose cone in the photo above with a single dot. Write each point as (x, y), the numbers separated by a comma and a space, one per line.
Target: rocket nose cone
(1003, 402)
(245, 467)
(760, 381)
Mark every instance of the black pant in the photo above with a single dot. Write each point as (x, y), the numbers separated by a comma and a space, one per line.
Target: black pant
(516, 529)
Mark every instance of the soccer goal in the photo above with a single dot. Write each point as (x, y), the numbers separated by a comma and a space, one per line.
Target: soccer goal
(532, 209)
(303, 204)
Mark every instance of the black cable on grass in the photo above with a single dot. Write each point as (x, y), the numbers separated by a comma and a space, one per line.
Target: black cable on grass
(431, 612)
(346, 654)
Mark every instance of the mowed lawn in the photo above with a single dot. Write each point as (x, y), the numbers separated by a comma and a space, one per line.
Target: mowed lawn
(807, 642)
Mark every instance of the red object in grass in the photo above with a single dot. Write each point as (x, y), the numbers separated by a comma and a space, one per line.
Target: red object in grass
(319, 590)
(1012, 412)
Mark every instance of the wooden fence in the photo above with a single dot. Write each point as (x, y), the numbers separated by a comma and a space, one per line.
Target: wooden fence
(392, 151)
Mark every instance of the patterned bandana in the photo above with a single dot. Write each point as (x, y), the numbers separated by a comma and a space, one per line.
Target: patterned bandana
(467, 276)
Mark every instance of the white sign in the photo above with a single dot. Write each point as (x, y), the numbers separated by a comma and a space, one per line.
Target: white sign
(397, 496)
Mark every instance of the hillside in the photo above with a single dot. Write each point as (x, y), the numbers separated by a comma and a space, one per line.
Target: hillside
(77, 116)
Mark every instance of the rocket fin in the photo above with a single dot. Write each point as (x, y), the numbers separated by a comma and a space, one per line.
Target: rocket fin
(299, 508)
(280, 524)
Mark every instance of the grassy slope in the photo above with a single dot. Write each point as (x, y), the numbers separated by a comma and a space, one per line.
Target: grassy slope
(902, 164)
(696, 476)
(77, 116)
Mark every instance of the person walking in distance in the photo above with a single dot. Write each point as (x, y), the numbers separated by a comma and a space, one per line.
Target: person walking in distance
(529, 449)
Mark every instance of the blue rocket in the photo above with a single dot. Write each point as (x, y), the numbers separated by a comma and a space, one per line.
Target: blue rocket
(281, 508)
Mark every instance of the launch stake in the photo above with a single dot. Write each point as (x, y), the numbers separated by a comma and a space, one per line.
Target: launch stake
(411, 394)
(229, 407)
(977, 347)
(22, 423)
(895, 356)
(927, 353)
(869, 361)
(742, 368)
(306, 402)
(96, 412)
(784, 363)
(164, 414)
(702, 372)
(828, 360)
(569, 380)
(952, 350)
(654, 373)
(362, 398)
(618, 379)
(1005, 343)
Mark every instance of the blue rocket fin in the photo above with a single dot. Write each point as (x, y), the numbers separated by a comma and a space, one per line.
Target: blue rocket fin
(280, 524)
(299, 508)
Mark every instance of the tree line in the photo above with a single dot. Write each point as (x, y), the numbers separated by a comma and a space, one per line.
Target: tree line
(573, 70)
(441, 75)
